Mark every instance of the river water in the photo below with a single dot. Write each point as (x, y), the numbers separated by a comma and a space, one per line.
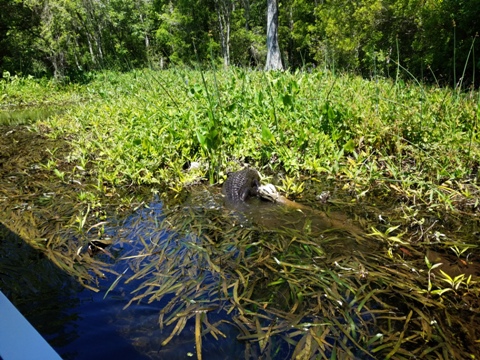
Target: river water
(83, 324)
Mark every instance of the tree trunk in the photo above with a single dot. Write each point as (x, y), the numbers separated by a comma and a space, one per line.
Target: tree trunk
(246, 5)
(274, 60)
(58, 62)
(224, 11)
(147, 40)
(90, 48)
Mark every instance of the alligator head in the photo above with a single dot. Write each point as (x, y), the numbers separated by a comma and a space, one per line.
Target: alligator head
(240, 185)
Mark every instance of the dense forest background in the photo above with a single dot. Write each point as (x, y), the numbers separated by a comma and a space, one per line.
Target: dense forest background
(432, 40)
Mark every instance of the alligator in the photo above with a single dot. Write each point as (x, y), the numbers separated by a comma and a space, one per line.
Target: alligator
(245, 183)
(241, 185)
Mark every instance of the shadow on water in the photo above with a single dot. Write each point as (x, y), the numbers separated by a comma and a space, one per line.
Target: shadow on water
(77, 322)
(82, 324)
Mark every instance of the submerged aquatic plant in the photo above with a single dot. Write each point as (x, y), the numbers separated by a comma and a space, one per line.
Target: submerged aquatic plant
(290, 293)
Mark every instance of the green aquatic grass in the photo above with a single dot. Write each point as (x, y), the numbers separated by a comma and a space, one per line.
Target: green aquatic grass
(321, 292)
(26, 100)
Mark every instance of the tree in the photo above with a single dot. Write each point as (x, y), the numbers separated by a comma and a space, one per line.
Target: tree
(224, 11)
(274, 60)
(434, 40)
(248, 45)
(18, 31)
(297, 33)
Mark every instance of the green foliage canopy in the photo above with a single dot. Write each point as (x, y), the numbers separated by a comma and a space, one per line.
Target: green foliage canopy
(433, 40)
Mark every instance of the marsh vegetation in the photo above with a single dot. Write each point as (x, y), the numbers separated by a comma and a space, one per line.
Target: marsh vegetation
(399, 158)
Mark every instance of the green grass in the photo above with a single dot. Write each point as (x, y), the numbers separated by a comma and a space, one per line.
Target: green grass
(144, 127)
(25, 100)
(17, 92)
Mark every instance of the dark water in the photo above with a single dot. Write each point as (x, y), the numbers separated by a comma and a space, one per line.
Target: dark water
(81, 324)
(77, 322)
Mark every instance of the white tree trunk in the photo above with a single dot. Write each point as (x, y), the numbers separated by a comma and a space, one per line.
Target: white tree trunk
(274, 60)
(224, 12)
(147, 40)
(90, 48)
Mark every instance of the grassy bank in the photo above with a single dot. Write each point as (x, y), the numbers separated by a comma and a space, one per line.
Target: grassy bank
(17, 92)
(146, 127)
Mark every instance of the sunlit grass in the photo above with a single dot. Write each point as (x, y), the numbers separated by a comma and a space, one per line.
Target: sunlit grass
(414, 141)
(18, 92)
